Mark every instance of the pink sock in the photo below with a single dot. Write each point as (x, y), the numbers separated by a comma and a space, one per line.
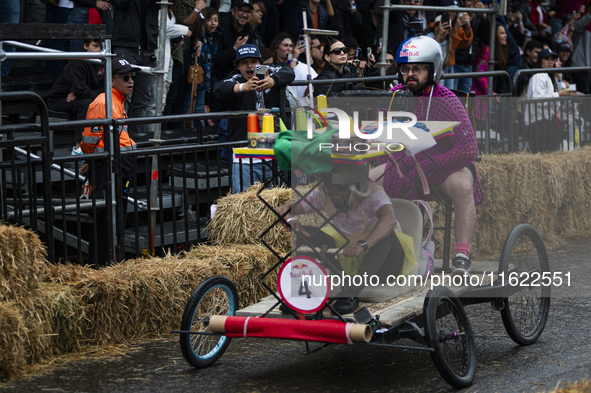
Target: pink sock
(464, 248)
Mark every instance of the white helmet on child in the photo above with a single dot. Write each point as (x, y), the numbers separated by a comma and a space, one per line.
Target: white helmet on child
(424, 50)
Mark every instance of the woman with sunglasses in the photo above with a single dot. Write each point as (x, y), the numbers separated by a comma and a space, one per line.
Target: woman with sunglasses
(335, 67)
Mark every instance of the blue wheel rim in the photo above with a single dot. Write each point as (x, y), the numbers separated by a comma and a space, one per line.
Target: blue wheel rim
(231, 310)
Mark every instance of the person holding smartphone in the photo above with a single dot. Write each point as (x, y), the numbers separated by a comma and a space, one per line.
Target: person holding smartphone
(453, 32)
(238, 33)
(245, 91)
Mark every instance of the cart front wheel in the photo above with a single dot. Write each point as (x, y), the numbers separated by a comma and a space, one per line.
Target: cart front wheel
(214, 296)
(449, 333)
(524, 257)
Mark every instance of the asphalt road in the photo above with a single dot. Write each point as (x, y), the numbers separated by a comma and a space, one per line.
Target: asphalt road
(563, 353)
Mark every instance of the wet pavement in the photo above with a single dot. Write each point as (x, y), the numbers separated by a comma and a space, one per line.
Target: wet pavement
(563, 353)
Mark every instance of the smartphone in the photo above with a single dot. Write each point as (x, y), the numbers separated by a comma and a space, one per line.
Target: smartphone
(445, 19)
(380, 42)
(369, 54)
(301, 41)
(260, 71)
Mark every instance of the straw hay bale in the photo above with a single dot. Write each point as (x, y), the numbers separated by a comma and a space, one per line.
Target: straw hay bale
(141, 298)
(242, 218)
(549, 191)
(245, 265)
(22, 262)
(68, 307)
(12, 341)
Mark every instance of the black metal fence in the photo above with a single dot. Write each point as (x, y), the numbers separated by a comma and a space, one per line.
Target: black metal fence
(46, 192)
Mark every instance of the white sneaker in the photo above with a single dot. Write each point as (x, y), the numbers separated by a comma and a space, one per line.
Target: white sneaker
(76, 151)
(460, 266)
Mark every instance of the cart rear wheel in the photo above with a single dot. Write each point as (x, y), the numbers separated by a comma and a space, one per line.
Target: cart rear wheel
(525, 313)
(449, 333)
(214, 296)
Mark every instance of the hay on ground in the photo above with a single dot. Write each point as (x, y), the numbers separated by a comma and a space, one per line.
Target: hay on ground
(583, 386)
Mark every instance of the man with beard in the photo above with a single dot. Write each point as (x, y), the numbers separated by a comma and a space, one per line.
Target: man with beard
(239, 33)
(317, 54)
(451, 169)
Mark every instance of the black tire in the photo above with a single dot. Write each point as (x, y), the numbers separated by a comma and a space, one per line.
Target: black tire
(525, 313)
(449, 333)
(214, 296)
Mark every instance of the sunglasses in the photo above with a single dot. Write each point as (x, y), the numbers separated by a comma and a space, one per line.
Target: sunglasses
(338, 51)
(127, 77)
(391, 61)
(415, 70)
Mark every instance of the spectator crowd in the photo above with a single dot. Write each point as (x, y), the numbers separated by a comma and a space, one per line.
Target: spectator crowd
(209, 34)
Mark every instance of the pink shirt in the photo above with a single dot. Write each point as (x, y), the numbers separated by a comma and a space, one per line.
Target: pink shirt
(360, 220)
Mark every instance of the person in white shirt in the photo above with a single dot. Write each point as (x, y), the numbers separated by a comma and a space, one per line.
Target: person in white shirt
(541, 131)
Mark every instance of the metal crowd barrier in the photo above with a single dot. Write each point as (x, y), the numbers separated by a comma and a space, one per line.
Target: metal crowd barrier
(191, 176)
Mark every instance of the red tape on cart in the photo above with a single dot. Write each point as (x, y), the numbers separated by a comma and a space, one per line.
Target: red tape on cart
(154, 175)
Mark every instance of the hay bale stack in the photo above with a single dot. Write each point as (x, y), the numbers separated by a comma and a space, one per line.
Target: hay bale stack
(242, 218)
(69, 307)
(549, 191)
(22, 262)
(142, 298)
(12, 341)
(245, 264)
(44, 324)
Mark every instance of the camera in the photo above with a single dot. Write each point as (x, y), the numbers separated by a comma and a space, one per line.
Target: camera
(415, 28)
(260, 71)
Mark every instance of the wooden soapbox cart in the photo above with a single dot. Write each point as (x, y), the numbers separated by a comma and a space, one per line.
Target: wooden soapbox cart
(432, 316)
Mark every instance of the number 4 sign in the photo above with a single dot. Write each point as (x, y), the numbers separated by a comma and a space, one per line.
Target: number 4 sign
(302, 284)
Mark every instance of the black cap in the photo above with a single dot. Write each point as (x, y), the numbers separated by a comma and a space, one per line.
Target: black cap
(350, 41)
(122, 66)
(564, 46)
(546, 53)
(240, 3)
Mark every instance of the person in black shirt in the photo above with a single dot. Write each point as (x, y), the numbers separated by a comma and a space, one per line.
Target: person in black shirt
(337, 67)
(244, 91)
(239, 33)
